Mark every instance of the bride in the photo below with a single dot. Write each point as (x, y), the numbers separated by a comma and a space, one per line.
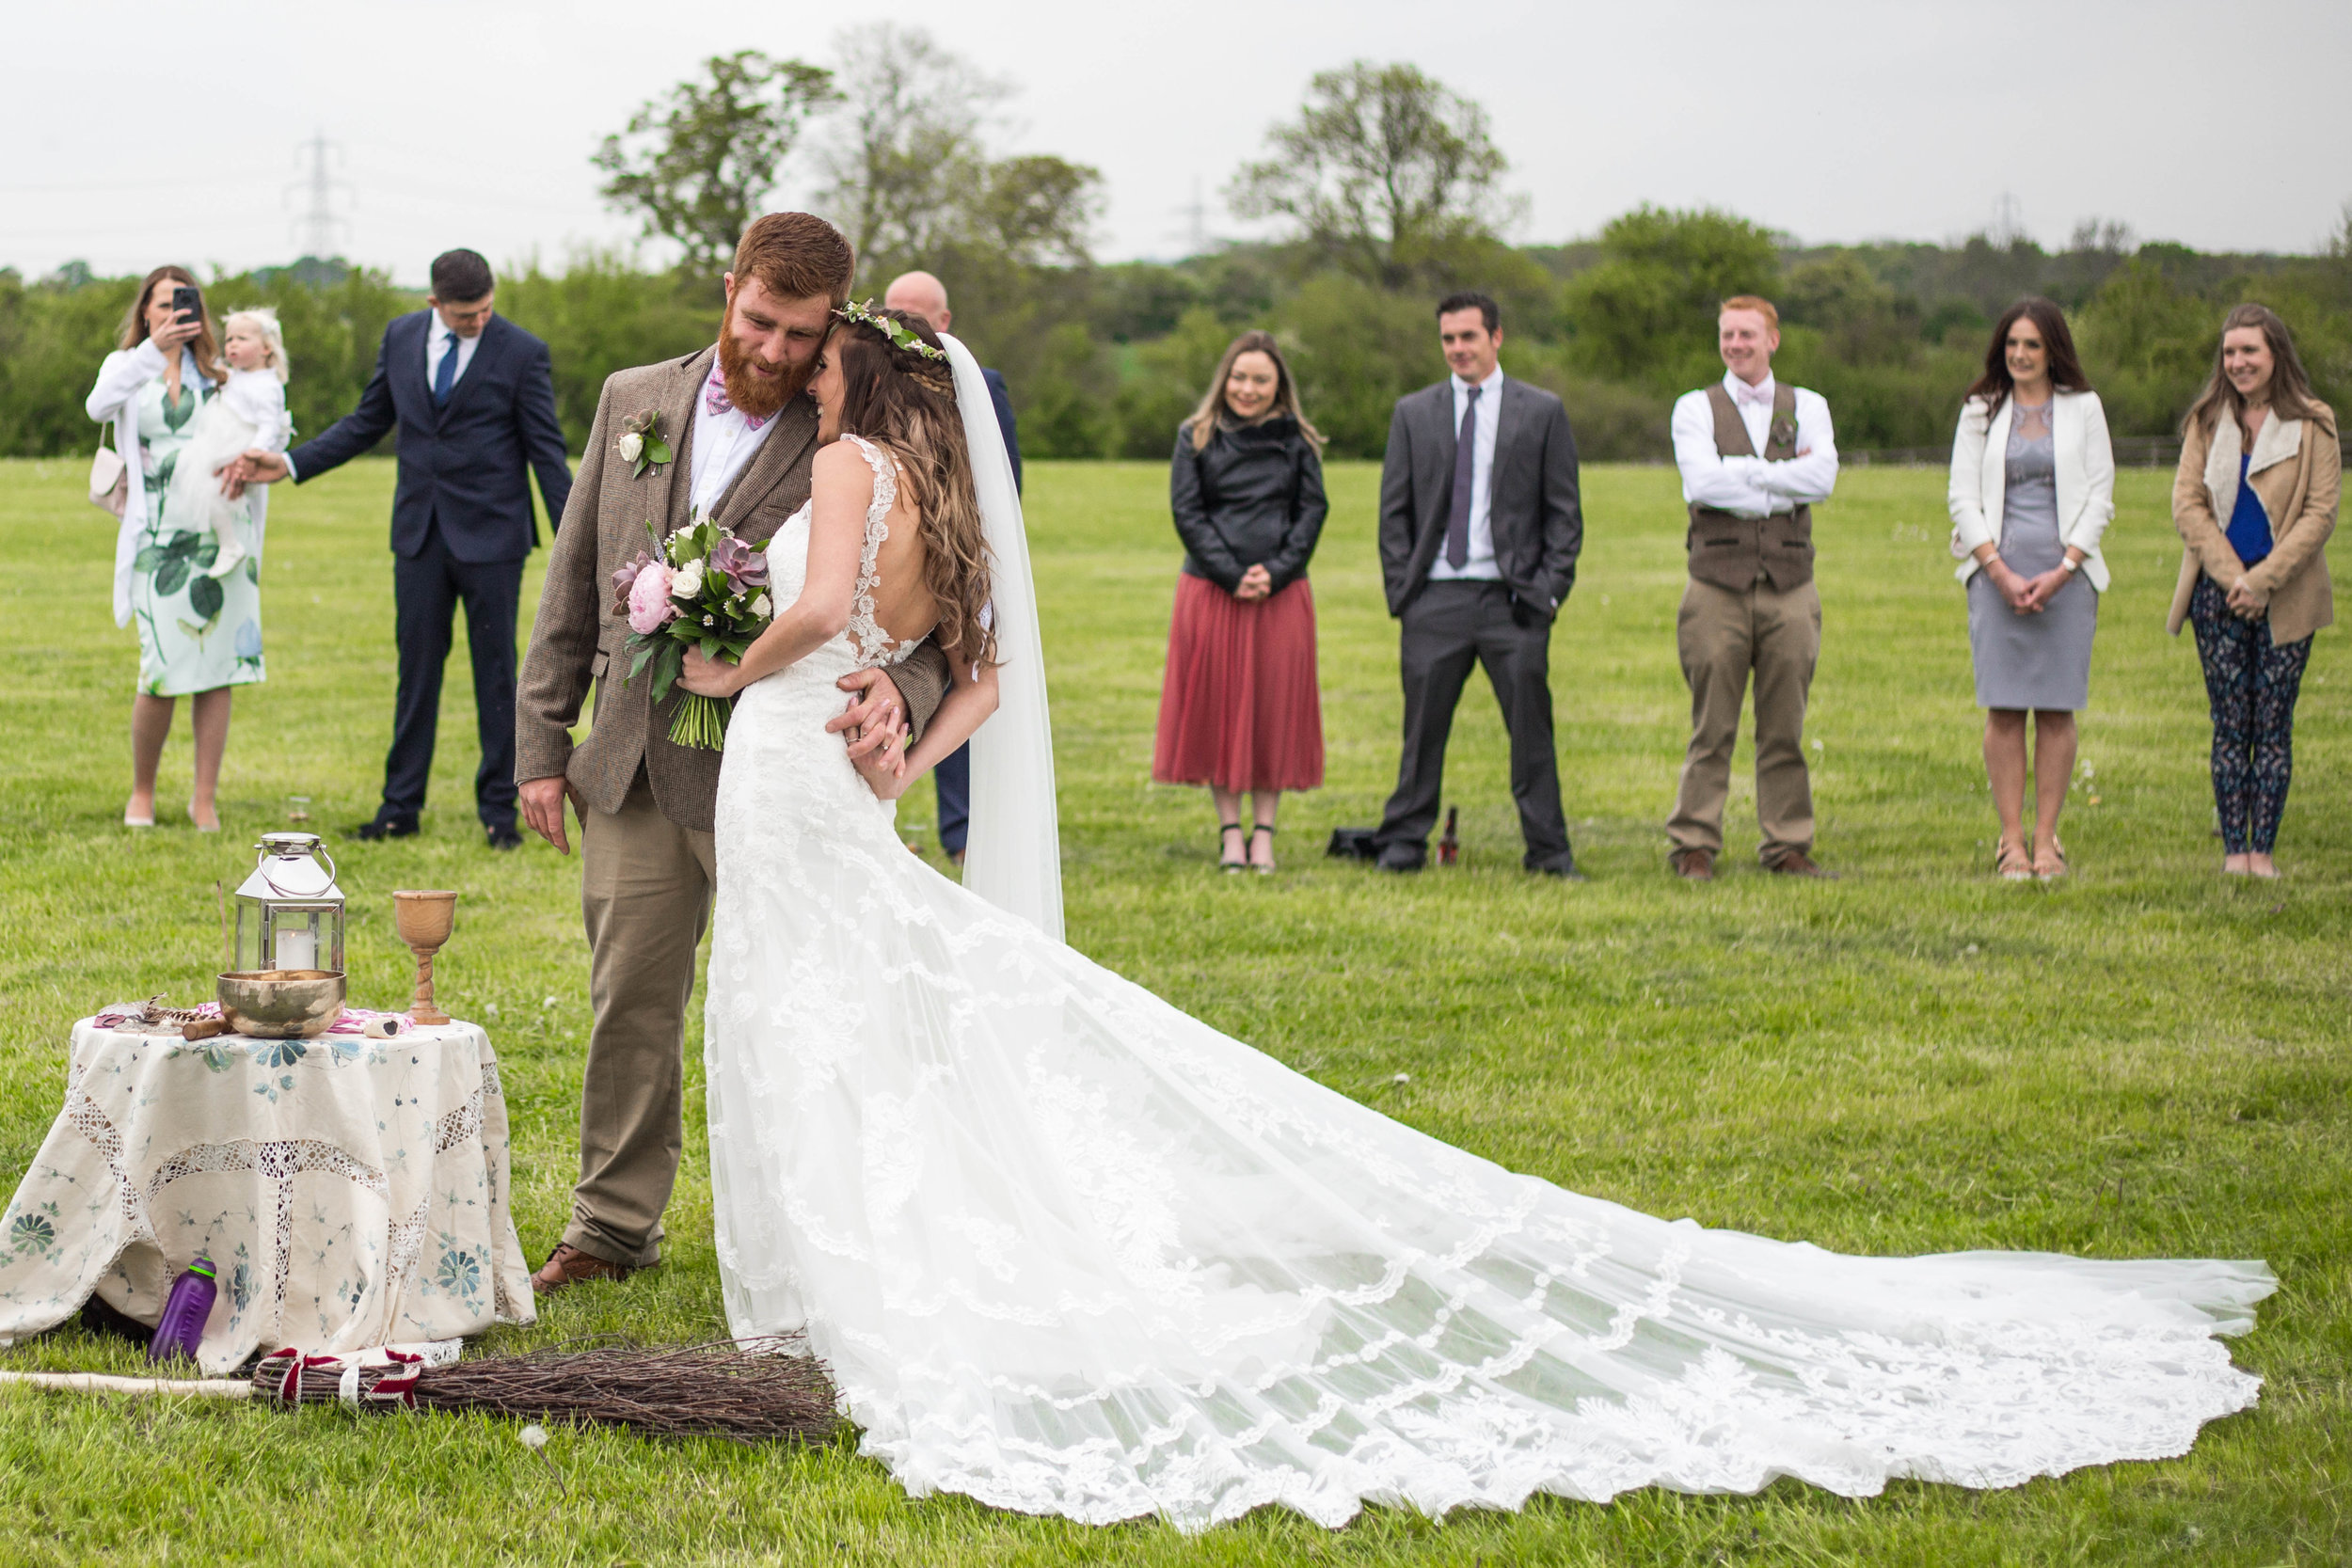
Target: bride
(1070, 1251)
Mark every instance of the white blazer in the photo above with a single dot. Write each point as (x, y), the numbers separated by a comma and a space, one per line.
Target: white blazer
(116, 399)
(2086, 480)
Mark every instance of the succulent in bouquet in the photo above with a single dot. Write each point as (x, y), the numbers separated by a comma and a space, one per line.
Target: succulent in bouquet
(701, 587)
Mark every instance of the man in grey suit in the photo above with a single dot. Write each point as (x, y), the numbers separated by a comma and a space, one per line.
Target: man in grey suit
(1480, 526)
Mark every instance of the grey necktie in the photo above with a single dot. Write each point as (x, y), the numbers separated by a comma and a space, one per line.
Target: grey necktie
(1465, 461)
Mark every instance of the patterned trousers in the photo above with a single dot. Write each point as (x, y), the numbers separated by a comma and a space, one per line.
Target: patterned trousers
(2251, 685)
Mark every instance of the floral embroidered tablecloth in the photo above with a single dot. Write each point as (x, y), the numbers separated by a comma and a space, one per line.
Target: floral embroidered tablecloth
(351, 1192)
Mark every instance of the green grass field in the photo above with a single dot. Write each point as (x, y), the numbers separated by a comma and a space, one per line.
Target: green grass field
(2144, 1060)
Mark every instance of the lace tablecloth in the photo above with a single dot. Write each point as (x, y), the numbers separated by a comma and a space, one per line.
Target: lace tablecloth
(351, 1192)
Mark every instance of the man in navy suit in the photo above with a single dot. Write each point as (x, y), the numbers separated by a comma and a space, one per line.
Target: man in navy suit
(474, 402)
(922, 295)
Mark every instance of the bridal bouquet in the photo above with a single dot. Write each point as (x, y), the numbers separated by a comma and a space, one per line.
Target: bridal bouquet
(700, 588)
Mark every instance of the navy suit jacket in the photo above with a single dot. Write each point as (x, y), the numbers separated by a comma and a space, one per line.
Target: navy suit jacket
(465, 466)
(1001, 400)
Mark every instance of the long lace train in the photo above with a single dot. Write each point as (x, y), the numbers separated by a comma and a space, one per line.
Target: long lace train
(1070, 1251)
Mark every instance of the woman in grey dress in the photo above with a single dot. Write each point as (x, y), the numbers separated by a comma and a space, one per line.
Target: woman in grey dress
(2032, 491)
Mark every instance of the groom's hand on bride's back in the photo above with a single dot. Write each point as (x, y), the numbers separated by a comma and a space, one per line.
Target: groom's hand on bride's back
(874, 725)
(543, 808)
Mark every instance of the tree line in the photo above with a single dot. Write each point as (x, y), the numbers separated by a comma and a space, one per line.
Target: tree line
(1387, 190)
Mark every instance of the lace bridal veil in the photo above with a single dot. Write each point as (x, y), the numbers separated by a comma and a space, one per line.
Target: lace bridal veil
(1014, 856)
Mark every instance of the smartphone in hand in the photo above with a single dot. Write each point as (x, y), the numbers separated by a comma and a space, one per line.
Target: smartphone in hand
(186, 304)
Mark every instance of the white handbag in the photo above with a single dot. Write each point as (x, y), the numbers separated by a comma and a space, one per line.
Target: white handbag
(109, 477)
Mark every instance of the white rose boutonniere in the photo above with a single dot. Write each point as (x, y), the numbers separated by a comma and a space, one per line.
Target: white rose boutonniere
(642, 443)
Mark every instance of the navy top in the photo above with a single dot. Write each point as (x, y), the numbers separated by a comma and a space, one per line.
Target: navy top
(2249, 525)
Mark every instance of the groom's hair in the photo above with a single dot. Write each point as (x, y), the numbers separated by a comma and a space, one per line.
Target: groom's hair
(461, 277)
(798, 256)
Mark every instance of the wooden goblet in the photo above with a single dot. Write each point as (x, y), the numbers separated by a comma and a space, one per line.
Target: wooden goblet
(424, 921)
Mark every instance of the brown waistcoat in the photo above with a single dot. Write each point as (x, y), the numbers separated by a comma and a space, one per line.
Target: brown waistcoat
(1738, 552)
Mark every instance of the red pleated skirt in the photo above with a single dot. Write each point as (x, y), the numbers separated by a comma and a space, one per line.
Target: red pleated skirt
(1239, 707)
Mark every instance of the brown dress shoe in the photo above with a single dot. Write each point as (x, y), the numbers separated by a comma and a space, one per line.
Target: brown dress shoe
(1796, 862)
(1693, 866)
(568, 1265)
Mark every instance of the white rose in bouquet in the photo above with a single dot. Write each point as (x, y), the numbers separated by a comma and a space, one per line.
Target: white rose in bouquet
(762, 607)
(631, 444)
(687, 580)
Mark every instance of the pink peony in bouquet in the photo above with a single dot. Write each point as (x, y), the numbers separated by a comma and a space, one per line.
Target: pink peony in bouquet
(701, 588)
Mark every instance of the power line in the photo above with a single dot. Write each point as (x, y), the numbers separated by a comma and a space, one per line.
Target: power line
(1195, 213)
(318, 225)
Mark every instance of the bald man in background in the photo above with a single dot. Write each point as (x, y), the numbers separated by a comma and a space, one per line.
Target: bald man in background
(927, 296)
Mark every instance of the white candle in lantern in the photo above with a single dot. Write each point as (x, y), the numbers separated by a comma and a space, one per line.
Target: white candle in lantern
(297, 949)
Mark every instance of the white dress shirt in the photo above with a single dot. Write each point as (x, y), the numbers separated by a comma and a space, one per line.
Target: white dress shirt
(1481, 565)
(1752, 486)
(722, 444)
(438, 337)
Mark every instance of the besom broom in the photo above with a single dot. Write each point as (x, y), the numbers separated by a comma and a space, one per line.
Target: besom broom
(746, 1390)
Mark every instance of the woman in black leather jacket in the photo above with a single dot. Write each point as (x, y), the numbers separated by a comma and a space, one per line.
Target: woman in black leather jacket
(1240, 711)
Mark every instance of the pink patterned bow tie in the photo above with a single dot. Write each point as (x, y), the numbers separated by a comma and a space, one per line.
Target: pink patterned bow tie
(1760, 397)
(715, 399)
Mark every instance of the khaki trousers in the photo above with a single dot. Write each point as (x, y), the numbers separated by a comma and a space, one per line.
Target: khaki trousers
(1723, 637)
(646, 887)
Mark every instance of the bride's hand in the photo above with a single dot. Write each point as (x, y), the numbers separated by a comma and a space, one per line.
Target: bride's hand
(710, 677)
(880, 755)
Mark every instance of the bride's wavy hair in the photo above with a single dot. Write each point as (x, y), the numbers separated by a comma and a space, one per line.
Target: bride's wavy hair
(906, 402)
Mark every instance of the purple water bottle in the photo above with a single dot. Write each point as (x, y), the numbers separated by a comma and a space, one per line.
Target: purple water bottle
(180, 1329)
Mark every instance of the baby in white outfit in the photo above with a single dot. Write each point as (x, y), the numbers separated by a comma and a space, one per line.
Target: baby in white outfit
(248, 413)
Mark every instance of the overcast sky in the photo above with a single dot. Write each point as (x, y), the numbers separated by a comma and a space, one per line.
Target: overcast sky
(141, 133)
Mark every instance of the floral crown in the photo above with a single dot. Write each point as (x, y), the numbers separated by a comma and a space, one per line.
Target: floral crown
(898, 333)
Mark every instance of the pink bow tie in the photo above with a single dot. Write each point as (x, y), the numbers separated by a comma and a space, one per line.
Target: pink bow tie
(715, 399)
(1760, 397)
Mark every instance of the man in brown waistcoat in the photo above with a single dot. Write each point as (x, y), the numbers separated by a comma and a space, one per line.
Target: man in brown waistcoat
(1754, 456)
(739, 441)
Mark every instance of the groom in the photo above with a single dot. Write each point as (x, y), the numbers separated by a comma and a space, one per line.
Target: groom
(741, 439)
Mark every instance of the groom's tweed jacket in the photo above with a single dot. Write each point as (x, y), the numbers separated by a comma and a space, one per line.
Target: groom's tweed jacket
(578, 635)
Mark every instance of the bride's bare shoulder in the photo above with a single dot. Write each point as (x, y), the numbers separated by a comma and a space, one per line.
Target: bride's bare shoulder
(841, 473)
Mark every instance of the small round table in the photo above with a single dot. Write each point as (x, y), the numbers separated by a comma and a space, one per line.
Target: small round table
(351, 1192)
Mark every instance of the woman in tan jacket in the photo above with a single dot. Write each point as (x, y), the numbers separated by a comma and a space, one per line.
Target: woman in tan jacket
(2254, 502)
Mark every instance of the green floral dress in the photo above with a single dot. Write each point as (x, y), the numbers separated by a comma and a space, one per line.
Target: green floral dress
(195, 632)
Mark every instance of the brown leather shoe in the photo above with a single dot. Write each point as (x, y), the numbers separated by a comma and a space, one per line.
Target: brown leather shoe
(568, 1265)
(1796, 862)
(1693, 866)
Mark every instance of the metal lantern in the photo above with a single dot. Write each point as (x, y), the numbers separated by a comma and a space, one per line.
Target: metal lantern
(290, 912)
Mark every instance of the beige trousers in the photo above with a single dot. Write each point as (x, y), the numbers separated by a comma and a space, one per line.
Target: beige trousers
(645, 886)
(1722, 637)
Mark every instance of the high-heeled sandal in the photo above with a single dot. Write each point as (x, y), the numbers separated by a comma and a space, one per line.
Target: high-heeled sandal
(1229, 868)
(1267, 829)
(2057, 852)
(2011, 863)
(200, 826)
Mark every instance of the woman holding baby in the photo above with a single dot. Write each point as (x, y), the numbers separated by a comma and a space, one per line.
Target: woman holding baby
(187, 561)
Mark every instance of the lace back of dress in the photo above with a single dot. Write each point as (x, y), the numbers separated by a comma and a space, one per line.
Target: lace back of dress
(868, 639)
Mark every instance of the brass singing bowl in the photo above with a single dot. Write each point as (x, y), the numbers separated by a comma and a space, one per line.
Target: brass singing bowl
(281, 1004)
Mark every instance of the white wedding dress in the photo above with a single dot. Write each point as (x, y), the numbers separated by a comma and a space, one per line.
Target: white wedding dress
(1070, 1251)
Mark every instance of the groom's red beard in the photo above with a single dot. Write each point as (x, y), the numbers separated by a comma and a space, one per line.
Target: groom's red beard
(760, 396)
